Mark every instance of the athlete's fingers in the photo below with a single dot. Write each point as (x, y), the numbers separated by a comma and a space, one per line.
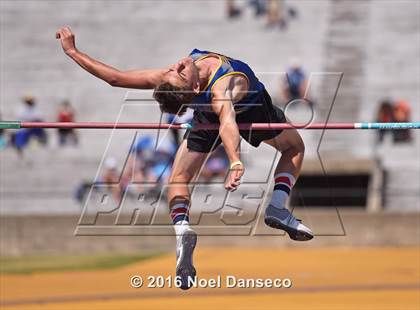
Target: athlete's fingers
(57, 35)
(234, 180)
(229, 186)
(233, 186)
(69, 32)
(238, 176)
(238, 172)
(60, 33)
(66, 33)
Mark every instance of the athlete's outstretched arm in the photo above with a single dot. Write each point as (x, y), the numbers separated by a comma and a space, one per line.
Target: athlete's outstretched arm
(140, 79)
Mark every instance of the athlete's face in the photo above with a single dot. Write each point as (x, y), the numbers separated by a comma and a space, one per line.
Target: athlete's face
(184, 74)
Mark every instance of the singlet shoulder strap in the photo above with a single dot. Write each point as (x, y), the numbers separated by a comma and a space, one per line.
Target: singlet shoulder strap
(230, 74)
(216, 73)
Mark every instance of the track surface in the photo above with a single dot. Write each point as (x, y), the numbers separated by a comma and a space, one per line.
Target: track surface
(366, 278)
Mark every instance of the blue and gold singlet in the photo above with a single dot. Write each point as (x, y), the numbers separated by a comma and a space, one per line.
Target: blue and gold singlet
(227, 66)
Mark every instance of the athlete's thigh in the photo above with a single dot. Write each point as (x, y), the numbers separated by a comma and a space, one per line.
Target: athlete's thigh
(289, 138)
(187, 163)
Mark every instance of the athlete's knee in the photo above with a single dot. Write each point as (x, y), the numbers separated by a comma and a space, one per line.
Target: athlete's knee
(297, 143)
(295, 148)
(300, 146)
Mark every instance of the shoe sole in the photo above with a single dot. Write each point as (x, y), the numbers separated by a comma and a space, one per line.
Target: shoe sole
(185, 269)
(294, 234)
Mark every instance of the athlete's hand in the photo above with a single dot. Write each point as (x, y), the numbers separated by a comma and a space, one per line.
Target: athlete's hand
(234, 178)
(66, 37)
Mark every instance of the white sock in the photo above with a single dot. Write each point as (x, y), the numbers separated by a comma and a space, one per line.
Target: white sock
(180, 227)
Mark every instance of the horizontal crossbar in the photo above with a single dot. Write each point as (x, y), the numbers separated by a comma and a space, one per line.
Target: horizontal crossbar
(248, 126)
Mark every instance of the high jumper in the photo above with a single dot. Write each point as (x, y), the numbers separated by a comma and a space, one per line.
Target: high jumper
(223, 92)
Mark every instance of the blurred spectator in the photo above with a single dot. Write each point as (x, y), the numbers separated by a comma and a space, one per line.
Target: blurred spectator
(66, 114)
(278, 13)
(138, 160)
(232, 10)
(216, 166)
(295, 84)
(402, 113)
(159, 169)
(28, 113)
(385, 115)
(111, 179)
(292, 12)
(260, 7)
(163, 157)
(275, 14)
(3, 141)
(150, 162)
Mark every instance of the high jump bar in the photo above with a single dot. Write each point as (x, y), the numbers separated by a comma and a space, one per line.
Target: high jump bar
(242, 126)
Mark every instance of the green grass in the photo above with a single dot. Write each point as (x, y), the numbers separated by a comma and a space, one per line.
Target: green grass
(32, 264)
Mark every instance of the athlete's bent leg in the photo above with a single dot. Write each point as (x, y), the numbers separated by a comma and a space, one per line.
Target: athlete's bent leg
(185, 169)
(292, 148)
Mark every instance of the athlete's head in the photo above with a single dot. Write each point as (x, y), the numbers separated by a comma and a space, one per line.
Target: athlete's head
(181, 84)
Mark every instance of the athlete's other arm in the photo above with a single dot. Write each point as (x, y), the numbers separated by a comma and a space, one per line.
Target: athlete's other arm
(225, 93)
(140, 79)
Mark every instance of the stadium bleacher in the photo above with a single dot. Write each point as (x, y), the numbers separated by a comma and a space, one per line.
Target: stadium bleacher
(146, 34)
